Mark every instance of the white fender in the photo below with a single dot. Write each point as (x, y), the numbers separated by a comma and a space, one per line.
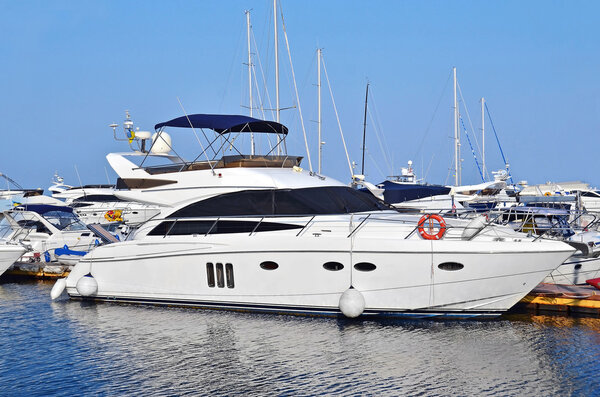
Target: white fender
(87, 285)
(352, 303)
(58, 288)
(474, 227)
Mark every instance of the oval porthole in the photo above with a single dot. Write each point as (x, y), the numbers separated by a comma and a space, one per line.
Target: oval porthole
(333, 266)
(578, 266)
(450, 266)
(269, 265)
(365, 267)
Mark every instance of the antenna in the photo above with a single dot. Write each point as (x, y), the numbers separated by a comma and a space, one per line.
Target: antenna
(456, 137)
(127, 126)
(319, 121)
(364, 131)
(337, 117)
(80, 183)
(277, 110)
(107, 178)
(483, 135)
(250, 79)
(287, 44)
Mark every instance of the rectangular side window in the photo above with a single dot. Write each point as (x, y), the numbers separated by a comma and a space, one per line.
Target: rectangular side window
(210, 274)
(229, 274)
(220, 276)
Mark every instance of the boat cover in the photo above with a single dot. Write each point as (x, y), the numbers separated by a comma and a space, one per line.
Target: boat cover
(399, 193)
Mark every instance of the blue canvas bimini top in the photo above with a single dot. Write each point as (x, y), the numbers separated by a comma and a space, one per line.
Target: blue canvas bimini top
(225, 123)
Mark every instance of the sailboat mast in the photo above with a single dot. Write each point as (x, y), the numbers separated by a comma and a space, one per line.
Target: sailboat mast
(250, 78)
(276, 61)
(364, 131)
(319, 105)
(456, 137)
(483, 135)
(276, 70)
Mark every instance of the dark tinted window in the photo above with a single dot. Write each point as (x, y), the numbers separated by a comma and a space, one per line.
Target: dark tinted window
(181, 228)
(450, 266)
(79, 205)
(269, 265)
(37, 225)
(178, 228)
(98, 197)
(333, 266)
(365, 267)
(308, 201)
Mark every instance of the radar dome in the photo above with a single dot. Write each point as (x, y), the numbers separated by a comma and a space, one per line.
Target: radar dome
(161, 143)
(143, 134)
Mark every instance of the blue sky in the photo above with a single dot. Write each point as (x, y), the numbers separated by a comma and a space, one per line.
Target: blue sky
(69, 69)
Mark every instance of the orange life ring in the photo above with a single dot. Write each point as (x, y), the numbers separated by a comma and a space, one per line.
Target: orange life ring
(432, 218)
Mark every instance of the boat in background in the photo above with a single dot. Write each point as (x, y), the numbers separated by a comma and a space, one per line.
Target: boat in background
(47, 232)
(560, 224)
(98, 204)
(9, 253)
(404, 191)
(15, 194)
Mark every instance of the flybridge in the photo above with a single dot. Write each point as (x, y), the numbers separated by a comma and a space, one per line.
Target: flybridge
(223, 125)
(158, 157)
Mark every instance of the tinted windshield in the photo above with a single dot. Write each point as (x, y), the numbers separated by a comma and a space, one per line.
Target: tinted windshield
(64, 220)
(307, 201)
(5, 228)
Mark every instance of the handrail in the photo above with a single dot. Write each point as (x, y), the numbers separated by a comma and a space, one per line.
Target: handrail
(169, 230)
(488, 223)
(359, 225)
(419, 224)
(212, 227)
(256, 227)
(305, 226)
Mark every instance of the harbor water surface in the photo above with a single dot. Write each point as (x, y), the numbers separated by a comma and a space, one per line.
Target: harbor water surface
(77, 348)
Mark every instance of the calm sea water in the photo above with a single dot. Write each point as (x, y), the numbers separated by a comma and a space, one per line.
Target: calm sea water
(73, 348)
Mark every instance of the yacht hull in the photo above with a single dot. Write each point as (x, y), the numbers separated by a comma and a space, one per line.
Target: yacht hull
(9, 255)
(394, 276)
(575, 270)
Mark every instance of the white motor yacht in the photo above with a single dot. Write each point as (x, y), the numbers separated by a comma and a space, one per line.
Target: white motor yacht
(260, 233)
(98, 204)
(558, 223)
(47, 231)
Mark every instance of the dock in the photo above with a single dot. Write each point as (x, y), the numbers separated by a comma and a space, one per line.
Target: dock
(38, 270)
(575, 300)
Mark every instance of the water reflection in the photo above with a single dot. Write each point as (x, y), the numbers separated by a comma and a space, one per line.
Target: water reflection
(117, 348)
